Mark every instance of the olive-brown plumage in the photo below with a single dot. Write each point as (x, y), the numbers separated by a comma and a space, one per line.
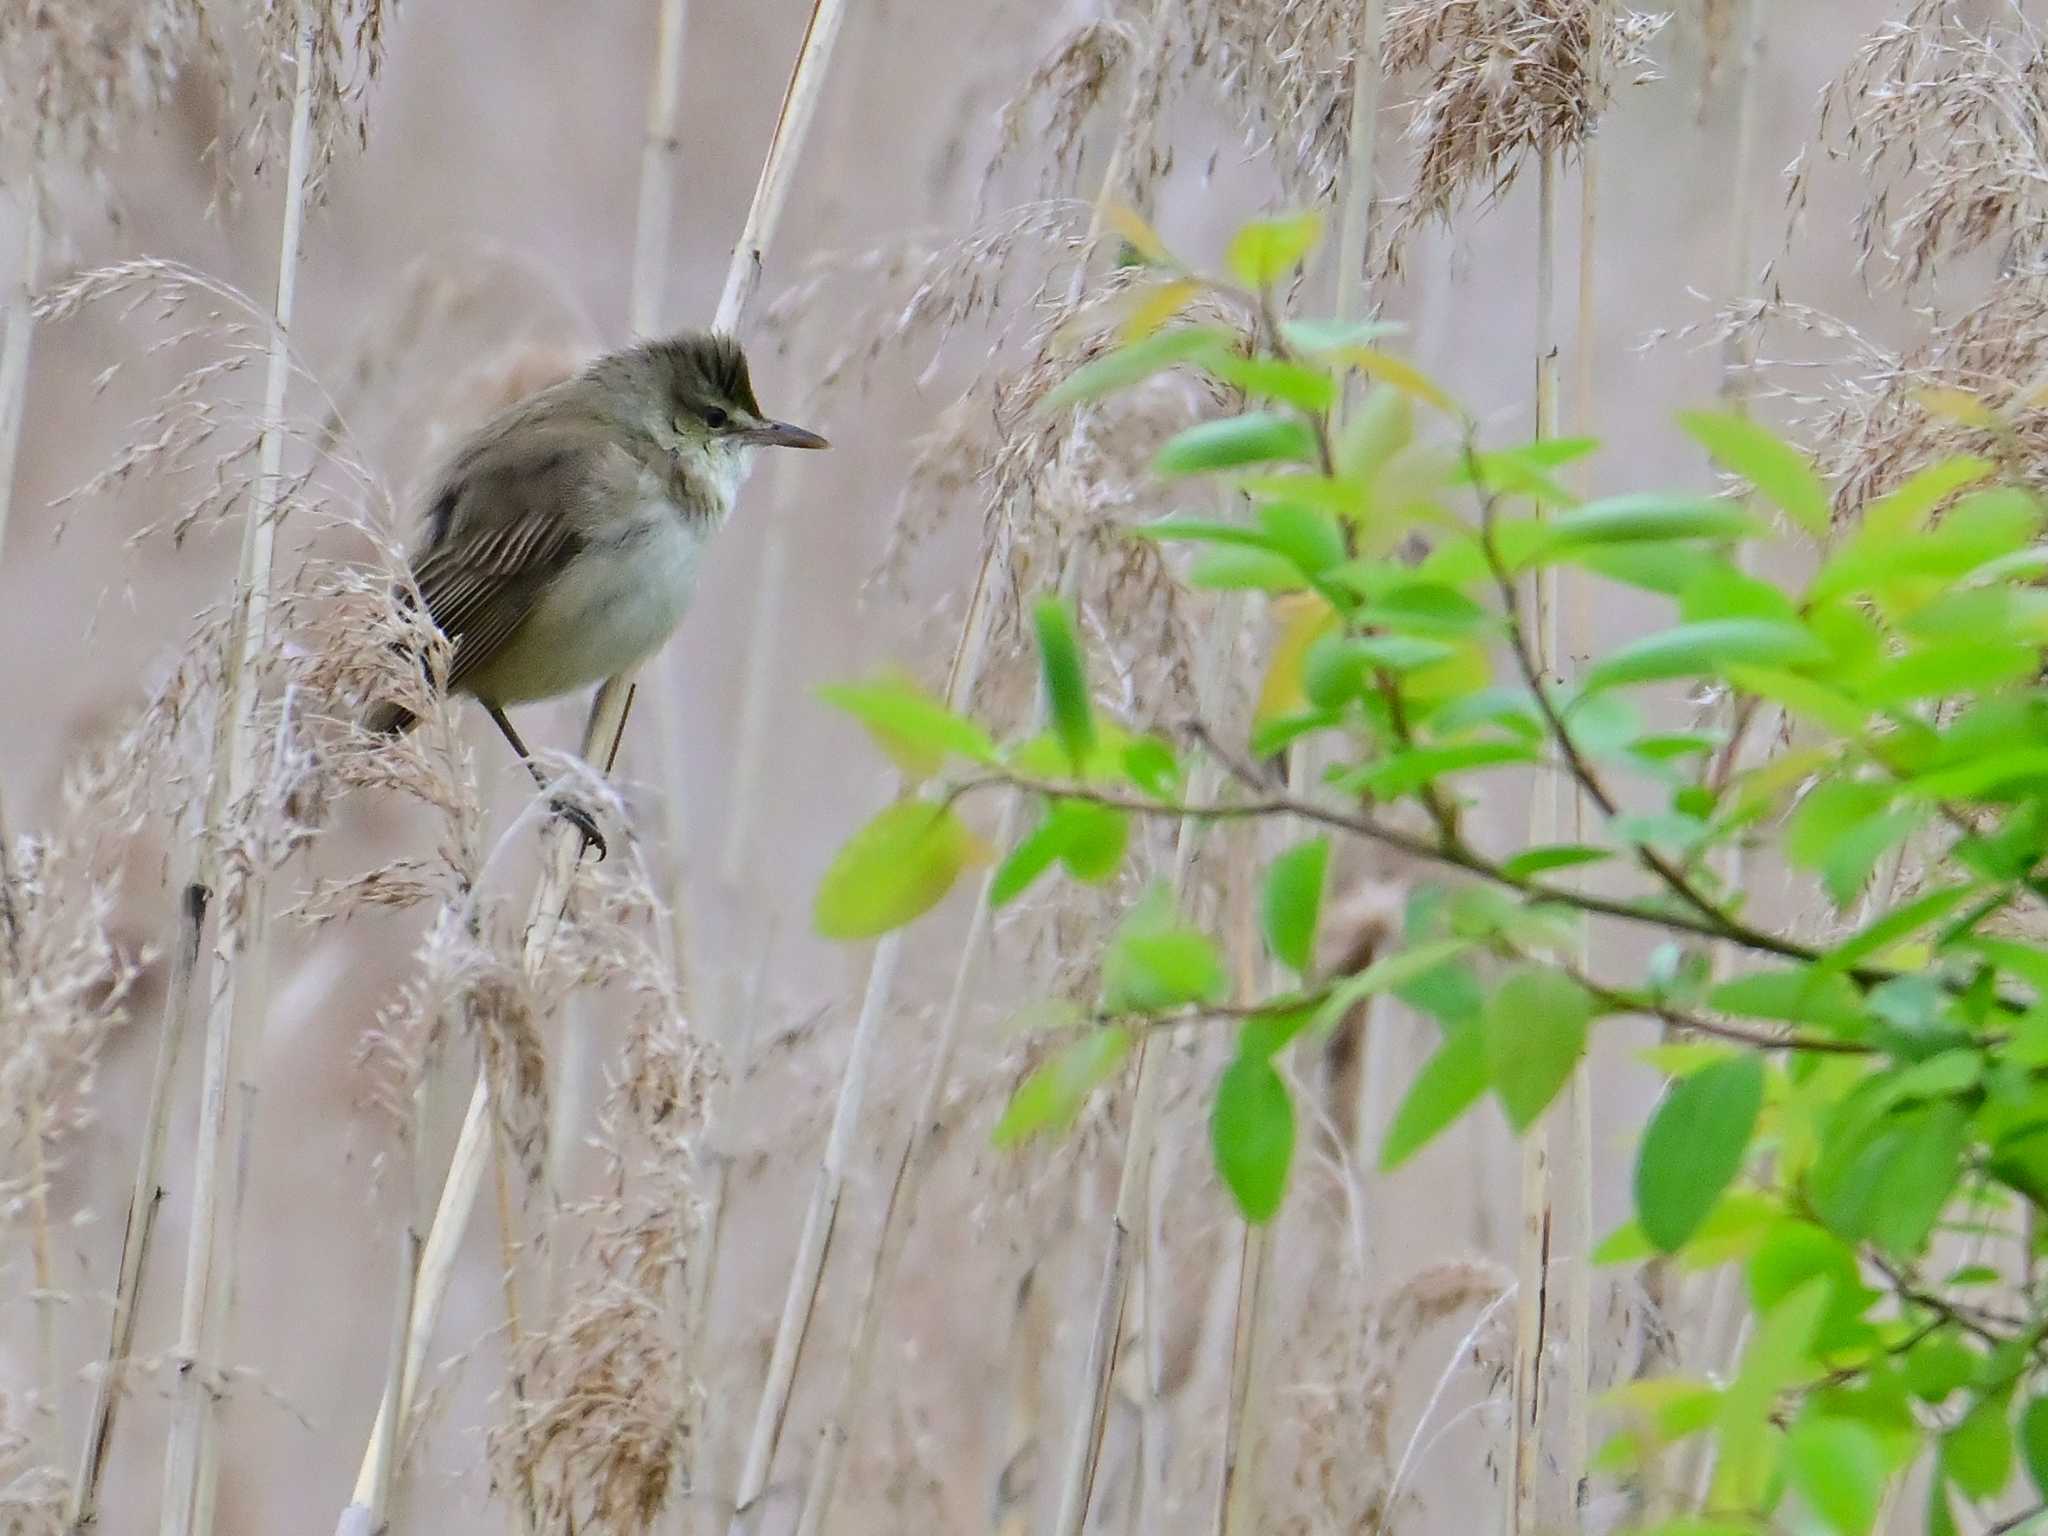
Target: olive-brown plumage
(562, 538)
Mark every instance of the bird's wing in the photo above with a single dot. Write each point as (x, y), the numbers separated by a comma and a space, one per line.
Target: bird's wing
(503, 525)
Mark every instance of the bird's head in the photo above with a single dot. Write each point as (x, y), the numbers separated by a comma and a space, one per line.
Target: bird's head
(701, 400)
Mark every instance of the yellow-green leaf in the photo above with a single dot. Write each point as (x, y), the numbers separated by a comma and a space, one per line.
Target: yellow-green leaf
(897, 867)
(915, 729)
(1779, 471)
(1050, 1098)
(1266, 250)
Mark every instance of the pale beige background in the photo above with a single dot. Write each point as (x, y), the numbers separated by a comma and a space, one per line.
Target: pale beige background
(516, 123)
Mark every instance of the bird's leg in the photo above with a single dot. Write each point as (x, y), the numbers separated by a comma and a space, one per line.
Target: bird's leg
(575, 815)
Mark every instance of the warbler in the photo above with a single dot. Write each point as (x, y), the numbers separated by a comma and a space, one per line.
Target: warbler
(562, 539)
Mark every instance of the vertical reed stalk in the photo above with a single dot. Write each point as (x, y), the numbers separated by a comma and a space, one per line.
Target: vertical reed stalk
(240, 992)
(607, 723)
(143, 1201)
(1576, 1125)
(1361, 187)
(1716, 1299)
(15, 349)
(14, 361)
(1532, 1426)
(911, 1165)
(652, 230)
(807, 1271)
(653, 227)
(814, 1244)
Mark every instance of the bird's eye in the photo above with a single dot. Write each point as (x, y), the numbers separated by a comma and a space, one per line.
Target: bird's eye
(716, 418)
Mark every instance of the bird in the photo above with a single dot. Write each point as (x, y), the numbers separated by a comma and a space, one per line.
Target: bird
(562, 539)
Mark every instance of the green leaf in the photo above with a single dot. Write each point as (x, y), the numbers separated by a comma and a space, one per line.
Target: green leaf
(910, 725)
(1780, 472)
(1092, 846)
(1402, 773)
(1269, 378)
(1050, 1098)
(1135, 363)
(1838, 1466)
(1643, 519)
(1259, 437)
(1938, 1365)
(1531, 862)
(1034, 854)
(1705, 649)
(1245, 570)
(1978, 1453)
(1065, 680)
(2034, 1443)
(1149, 764)
(1777, 1356)
(1336, 335)
(1449, 1083)
(895, 868)
(1292, 903)
(1156, 963)
(1803, 696)
(1535, 1030)
(1266, 250)
(1889, 1181)
(1694, 1147)
(1389, 973)
(1797, 996)
(1304, 534)
(1252, 1131)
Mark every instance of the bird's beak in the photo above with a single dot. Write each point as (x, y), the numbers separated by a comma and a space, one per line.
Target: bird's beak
(780, 434)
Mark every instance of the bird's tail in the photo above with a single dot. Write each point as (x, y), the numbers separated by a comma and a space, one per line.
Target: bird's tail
(389, 720)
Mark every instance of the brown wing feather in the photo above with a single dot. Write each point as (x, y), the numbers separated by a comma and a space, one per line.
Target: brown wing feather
(503, 526)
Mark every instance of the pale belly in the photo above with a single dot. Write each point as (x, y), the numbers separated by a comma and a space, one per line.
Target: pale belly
(611, 610)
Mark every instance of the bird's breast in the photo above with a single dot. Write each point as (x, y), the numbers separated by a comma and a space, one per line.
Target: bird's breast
(614, 605)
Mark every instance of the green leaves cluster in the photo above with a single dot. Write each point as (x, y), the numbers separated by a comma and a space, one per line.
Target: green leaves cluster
(1838, 1109)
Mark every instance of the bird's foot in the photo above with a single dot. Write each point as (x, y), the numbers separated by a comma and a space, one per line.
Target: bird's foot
(585, 824)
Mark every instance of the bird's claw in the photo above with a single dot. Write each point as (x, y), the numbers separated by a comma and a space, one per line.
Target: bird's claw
(585, 824)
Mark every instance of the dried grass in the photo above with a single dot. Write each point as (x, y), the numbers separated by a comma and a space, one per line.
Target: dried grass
(1503, 83)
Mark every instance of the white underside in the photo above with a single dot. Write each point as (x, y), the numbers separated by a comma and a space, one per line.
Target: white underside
(609, 611)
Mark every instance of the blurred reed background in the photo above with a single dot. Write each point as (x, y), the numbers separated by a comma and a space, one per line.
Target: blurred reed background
(674, 1153)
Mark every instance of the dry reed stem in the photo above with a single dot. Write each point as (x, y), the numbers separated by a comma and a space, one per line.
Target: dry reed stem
(1715, 1299)
(742, 279)
(1361, 190)
(652, 240)
(653, 229)
(144, 1200)
(606, 726)
(911, 1164)
(19, 319)
(1082, 1454)
(238, 999)
(1533, 1409)
(821, 1216)
(15, 349)
(1577, 1122)
(807, 1268)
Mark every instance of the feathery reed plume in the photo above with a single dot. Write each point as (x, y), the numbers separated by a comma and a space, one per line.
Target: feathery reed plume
(1504, 81)
(1931, 112)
